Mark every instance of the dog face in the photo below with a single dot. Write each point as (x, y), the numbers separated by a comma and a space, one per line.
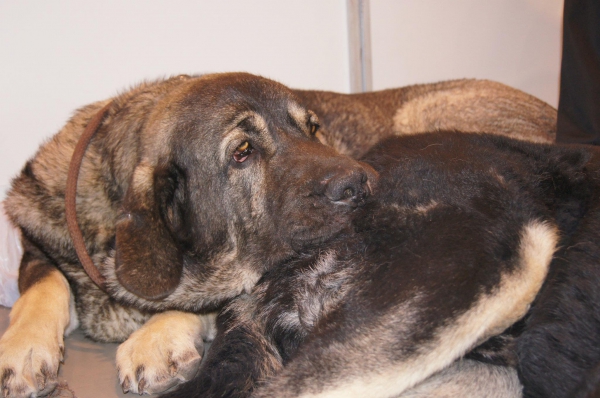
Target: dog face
(230, 180)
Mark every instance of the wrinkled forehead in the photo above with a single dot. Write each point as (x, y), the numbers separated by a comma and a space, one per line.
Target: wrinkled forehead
(216, 101)
(207, 108)
(238, 93)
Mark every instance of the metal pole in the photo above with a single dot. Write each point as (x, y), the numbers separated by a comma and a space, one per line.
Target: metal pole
(359, 40)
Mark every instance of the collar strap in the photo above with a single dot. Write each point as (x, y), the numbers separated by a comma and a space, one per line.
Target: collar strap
(70, 198)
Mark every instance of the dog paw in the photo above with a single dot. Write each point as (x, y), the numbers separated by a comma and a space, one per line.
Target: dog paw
(164, 352)
(29, 363)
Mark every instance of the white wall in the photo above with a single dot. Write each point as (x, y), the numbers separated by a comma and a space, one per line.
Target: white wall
(58, 55)
(516, 42)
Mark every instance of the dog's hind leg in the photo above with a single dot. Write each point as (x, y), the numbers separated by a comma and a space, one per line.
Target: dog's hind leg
(32, 346)
(360, 355)
(467, 378)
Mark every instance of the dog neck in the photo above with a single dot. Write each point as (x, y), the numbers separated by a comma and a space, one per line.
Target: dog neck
(71, 194)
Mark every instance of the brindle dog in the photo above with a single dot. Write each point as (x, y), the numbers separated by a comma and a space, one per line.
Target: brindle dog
(190, 190)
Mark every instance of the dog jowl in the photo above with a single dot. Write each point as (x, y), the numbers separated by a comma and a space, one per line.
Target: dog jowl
(190, 189)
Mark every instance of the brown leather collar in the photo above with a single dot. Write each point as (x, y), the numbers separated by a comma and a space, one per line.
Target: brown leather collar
(70, 198)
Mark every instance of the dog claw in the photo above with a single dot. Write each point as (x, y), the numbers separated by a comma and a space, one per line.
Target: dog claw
(41, 382)
(141, 385)
(173, 368)
(126, 385)
(6, 376)
(175, 357)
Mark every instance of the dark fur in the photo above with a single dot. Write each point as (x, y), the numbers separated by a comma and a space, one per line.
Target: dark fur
(161, 215)
(487, 188)
(560, 347)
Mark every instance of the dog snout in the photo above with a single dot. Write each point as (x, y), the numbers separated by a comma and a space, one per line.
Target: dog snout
(348, 187)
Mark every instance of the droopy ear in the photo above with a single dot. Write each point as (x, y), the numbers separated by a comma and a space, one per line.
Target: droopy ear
(148, 260)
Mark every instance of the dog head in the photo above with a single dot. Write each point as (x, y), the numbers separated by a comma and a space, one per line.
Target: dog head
(230, 181)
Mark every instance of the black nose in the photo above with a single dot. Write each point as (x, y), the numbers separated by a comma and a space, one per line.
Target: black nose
(347, 187)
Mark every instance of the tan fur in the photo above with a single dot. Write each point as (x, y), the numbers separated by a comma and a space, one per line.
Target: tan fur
(234, 135)
(158, 355)
(299, 115)
(33, 343)
(463, 108)
(538, 244)
(469, 379)
(424, 209)
(352, 123)
(142, 178)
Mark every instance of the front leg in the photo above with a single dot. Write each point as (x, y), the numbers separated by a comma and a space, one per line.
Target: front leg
(165, 351)
(32, 347)
(240, 357)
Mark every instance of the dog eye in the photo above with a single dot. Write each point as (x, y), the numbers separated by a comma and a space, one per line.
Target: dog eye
(242, 152)
(313, 123)
(314, 127)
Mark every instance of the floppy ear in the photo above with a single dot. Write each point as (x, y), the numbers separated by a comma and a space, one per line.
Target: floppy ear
(148, 260)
